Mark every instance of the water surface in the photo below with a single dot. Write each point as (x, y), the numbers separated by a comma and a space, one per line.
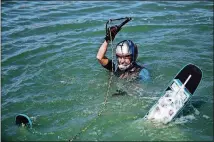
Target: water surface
(49, 69)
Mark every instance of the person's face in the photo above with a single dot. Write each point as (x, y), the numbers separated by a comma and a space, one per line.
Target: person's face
(124, 60)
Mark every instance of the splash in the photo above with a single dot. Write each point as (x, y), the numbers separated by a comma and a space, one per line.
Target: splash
(184, 119)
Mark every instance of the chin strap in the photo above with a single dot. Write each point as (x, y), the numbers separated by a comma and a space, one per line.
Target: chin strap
(130, 67)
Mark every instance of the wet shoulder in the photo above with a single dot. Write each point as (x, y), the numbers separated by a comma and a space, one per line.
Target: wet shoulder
(144, 74)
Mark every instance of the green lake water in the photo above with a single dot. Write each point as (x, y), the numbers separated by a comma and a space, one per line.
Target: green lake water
(49, 69)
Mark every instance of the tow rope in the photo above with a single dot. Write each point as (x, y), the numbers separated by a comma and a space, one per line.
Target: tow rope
(110, 79)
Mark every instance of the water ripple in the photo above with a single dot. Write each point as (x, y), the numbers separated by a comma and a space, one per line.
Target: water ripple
(49, 65)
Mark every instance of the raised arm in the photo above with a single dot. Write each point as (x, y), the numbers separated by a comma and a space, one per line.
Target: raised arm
(110, 35)
(101, 54)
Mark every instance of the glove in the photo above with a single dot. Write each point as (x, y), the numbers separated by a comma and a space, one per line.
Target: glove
(114, 30)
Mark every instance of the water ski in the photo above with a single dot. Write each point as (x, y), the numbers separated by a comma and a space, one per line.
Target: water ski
(23, 120)
(176, 95)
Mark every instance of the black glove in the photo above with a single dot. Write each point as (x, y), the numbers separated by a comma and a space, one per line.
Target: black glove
(114, 30)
